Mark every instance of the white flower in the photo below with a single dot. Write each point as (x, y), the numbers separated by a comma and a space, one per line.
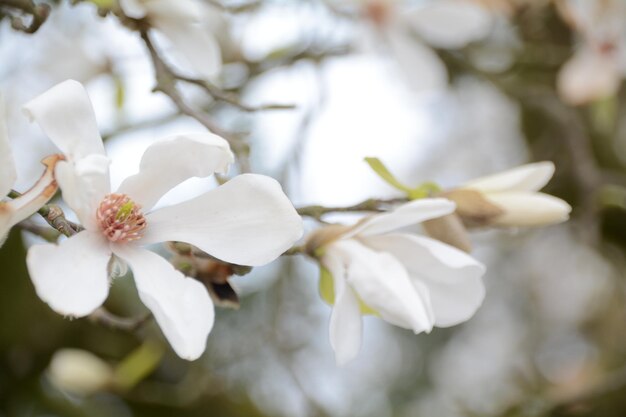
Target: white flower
(595, 71)
(449, 24)
(410, 281)
(514, 195)
(247, 221)
(16, 210)
(190, 26)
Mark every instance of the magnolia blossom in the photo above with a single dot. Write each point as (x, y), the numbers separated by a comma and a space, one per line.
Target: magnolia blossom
(510, 198)
(189, 24)
(246, 221)
(408, 280)
(449, 24)
(596, 69)
(14, 211)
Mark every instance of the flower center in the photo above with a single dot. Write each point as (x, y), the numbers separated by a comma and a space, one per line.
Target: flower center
(120, 218)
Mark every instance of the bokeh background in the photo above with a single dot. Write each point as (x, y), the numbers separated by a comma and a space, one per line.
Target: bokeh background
(437, 95)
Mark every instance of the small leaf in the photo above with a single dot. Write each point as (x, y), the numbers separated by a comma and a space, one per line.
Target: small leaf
(382, 171)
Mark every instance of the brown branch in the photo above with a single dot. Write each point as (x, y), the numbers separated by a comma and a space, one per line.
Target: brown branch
(127, 324)
(166, 83)
(55, 217)
(39, 13)
(372, 204)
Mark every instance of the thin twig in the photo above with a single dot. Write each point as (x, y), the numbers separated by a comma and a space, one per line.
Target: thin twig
(230, 98)
(372, 204)
(55, 217)
(127, 324)
(39, 13)
(166, 83)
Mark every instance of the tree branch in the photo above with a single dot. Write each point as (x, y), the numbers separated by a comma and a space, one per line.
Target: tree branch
(372, 204)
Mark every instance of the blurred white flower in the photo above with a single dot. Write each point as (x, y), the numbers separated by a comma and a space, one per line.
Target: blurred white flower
(18, 209)
(77, 371)
(448, 24)
(190, 26)
(511, 198)
(596, 69)
(410, 281)
(247, 221)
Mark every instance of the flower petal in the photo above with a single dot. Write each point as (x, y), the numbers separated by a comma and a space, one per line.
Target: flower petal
(588, 76)
(451, 277)
(384, 285)
(16, 210)
(72, 276)
(8, 173)
(529, 177)
(450, 23)
(529, 209)
(133, 8)
(65, 114)
(181, 306)
(247, 221)
(169, 162)
(181, 22)
(84, 184)
(408, 214)
(345, 321)
(421, 66)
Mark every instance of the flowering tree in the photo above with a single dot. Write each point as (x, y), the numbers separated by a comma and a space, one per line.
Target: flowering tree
(418, 249)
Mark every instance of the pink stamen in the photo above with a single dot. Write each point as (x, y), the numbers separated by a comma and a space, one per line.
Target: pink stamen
(124, 226)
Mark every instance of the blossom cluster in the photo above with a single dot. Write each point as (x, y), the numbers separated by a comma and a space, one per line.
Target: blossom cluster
(375, 266)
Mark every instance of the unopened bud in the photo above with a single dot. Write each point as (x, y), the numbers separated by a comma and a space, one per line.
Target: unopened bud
(79, 372)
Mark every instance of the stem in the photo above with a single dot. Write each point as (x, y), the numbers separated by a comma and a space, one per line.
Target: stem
(372, 204)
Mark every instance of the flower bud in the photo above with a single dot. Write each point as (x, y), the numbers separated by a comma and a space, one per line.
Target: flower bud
(79, 372)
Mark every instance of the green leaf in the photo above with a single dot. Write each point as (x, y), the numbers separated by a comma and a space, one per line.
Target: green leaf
(327, 287)
(327, 292)
(382, 171)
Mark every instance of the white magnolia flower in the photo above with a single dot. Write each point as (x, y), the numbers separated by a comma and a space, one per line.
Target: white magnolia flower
(246, 221)
(16, 210)
(190, 25)
(410, 281)
(596, 69)
(514, 194)
(449, 24)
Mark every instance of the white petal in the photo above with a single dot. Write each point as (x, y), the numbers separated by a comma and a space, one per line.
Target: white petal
(169, 162)
(345, 320)
(180, 10)
(84, 184)
(529, 209)
(16, 210)
(181, 23)
(451, 277)
(72, 276)
(384, 285)
(588, 76)
(423, 69)
(8, 174)
(450, 23)
(408, 214)
(181, 306)
(133, 8)
(247, 221)
(65, 114)
(529, 177)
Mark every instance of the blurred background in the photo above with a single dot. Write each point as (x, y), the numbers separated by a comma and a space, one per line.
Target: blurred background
(439, 90)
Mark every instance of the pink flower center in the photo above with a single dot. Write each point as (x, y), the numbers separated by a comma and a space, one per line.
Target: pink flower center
(120, 218)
